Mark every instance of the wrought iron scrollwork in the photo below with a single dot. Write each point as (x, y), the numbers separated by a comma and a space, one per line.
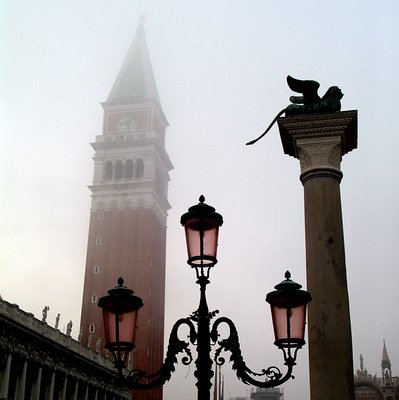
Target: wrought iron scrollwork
(140, 380)
(273, 375)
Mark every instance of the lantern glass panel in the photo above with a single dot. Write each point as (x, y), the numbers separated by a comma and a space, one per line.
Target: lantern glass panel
(202, 238)
(120, 326)
(289, 324)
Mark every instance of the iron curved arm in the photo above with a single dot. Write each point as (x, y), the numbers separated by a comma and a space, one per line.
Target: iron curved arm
(273, 376)
(138, 379)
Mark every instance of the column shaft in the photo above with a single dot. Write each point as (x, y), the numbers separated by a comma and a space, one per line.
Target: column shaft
(22, 381)
(37, 385)
(64, 388)
(87, 392)
(329, 331)
(50, 393)
(5, 378)
(75, 390)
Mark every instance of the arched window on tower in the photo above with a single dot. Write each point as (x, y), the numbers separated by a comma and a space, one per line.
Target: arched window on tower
(129, 169)
(118, 170)
(108, 170)
(139, 168)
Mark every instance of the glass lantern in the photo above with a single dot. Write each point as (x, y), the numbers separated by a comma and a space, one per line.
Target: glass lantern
(288, 307)
(201, 224)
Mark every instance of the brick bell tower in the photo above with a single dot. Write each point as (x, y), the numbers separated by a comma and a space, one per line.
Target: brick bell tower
(127, 233)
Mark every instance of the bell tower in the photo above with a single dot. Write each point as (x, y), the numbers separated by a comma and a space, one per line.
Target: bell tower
(129, 204)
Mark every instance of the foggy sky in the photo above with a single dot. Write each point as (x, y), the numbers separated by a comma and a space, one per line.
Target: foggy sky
(220, 69)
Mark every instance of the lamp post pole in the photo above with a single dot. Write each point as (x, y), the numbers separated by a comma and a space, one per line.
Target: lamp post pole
(319, 141)
(204, 372)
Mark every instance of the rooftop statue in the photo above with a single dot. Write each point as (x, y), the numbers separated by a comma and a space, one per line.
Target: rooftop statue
(57, 321)
(44, 313)
(69, 328)
(309, 103)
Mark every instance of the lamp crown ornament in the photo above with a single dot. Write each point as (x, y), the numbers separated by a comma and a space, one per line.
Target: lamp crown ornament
(288, 307)
(288, 285)
(203, 211)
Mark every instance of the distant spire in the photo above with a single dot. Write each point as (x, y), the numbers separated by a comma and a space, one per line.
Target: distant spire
(136, 78)
(385, 362)
(386, 367)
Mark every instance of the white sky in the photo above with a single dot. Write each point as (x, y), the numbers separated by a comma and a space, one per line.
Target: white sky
(220, 68)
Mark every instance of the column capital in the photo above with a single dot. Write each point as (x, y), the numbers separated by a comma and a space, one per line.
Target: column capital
(319, 140)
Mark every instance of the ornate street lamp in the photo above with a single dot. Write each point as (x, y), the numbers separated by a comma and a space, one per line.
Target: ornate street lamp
(288, 306)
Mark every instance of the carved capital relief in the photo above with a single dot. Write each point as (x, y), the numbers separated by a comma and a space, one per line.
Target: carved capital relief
(319, 152)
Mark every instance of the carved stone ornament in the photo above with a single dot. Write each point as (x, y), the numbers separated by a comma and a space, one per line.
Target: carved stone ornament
(314, 154)
(319, 140)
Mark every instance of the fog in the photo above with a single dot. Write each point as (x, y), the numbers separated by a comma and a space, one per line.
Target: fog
(220, 69)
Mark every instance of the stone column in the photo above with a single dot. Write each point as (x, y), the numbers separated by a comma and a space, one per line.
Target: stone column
(50, 393)
(319, 141)
(87, 392)
(36, 386)
(75, 390)
(64, 388)
(22, 380)
(5, 378)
